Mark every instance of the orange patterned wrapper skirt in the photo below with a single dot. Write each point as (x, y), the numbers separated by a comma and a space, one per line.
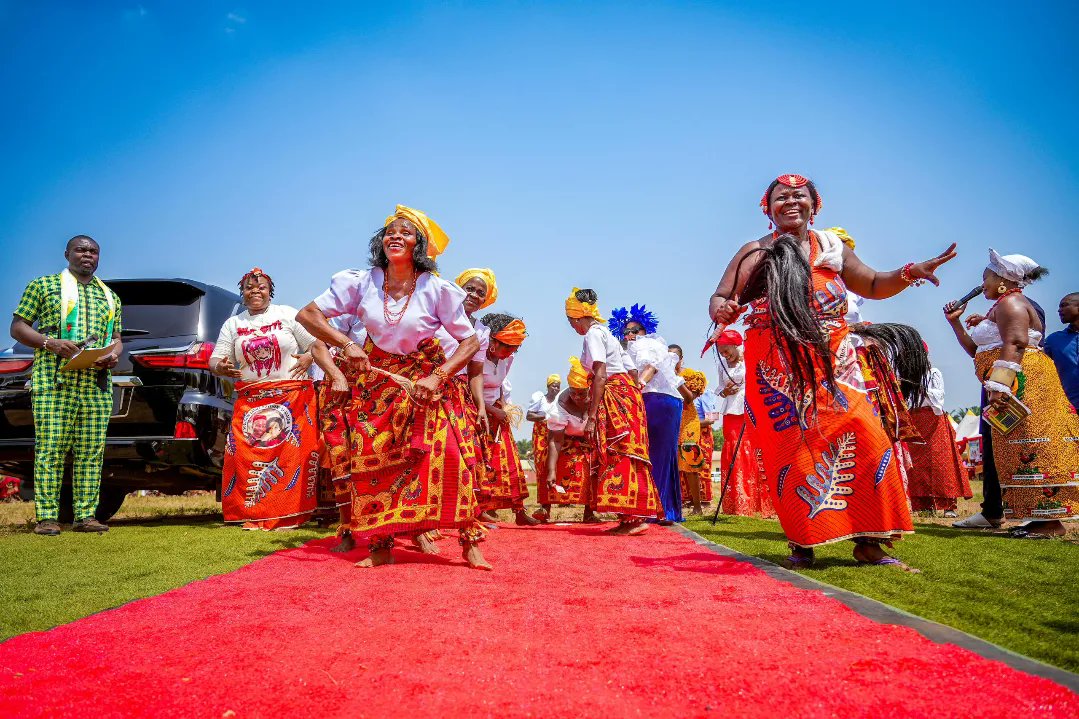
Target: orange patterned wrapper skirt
(937, 477)
(270, 472)
(410, 469)
(540, 442)
(504, 485)
(573, 472)
(831, 468)
(707, 445)
(745, 480)
(623, 479)
(1038, 461)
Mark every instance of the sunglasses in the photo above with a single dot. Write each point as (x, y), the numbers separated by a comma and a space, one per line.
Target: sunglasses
(633, 332)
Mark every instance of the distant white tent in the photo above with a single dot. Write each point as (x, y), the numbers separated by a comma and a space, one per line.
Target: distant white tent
(968, 428)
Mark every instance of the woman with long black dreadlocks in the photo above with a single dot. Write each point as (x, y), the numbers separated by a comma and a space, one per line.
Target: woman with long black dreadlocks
(831, 467)
(503, 484)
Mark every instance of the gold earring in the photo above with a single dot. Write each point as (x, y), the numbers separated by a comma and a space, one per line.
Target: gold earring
(1002, 288)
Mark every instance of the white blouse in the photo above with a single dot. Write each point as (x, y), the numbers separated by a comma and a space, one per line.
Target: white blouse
(450, 345)
(986, 335)
(736, 403)
(539, 403)
(262, 346)
(435, 303)
(496, 383)
(560, 419)
(652, 351)
(601, 346)
(934, 397)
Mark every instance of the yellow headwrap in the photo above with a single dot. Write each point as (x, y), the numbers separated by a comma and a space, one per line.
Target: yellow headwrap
(843, 236)
(488, 277)
(576, 308)
(512, 334)
(437, 239)
(553, 378)
(577, 377)
(696, 382)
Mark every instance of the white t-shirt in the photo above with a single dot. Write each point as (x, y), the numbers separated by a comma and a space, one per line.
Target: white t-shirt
(736, 403)
(601, 346)
(261, 346)
(496, 383)
(450, 345)
(435, 303)
(934, 398)
(651, 351)
(561, 419)
(349, 325)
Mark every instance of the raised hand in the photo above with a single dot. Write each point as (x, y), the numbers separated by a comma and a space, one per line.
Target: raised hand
(953, 311)
(927, 270)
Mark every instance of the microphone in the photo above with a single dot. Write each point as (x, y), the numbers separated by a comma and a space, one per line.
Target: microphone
(969, 296)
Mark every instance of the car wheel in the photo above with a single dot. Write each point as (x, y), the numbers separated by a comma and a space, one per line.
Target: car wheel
(108, 503)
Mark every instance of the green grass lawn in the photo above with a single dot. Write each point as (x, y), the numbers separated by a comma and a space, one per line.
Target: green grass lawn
(1019, 594)
(53, 580)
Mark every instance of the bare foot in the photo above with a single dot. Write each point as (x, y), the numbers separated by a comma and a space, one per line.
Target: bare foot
(590, 517)
(347, 544)
(474, 557)
(638, 528)
(541, 515)
(377, 559)
(489, 516)
(523, 520)
(424, 544)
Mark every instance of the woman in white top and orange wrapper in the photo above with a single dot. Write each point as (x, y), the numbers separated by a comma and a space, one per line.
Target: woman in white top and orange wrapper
(616, 422)
(410, 467)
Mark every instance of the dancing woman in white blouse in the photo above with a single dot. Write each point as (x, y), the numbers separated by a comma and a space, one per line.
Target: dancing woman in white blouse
(412, 466)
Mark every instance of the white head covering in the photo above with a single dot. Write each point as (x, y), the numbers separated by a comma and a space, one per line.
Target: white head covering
(1012, 267)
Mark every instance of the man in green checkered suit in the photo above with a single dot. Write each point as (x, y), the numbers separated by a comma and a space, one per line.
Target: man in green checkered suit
(72, 309)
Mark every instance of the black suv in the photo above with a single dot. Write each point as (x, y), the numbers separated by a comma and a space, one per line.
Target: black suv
(170, 415)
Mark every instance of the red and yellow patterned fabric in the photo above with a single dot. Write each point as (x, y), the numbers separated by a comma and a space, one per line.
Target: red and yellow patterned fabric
(410, 469)
(503, 486)
(831, 467)
(573, 472)
(1038, 461)
(270, 472)
(744, 478)
(623, 480)
(335, 464)
(707, 445)
(540, 442)
(937, 476)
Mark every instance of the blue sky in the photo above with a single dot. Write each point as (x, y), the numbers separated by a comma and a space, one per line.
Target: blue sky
(622, 146)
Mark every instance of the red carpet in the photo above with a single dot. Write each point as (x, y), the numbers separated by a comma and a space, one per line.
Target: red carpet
(571, 623)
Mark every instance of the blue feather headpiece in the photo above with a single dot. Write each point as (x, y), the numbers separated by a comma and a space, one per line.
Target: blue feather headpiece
(637, 313)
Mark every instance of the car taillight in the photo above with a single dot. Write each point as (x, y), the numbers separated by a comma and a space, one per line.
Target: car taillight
(185, 430)
(197, 357)
(14, 366)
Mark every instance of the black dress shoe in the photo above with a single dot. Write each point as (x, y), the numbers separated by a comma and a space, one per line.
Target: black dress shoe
(48, 528)
(89, 525)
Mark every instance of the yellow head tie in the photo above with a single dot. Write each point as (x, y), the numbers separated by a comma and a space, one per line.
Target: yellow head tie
(575, 308)
(554, 379)
(696, 382)
(488, 277)
(512, 334)
(437, 239)
(577, 377)
(843, 236)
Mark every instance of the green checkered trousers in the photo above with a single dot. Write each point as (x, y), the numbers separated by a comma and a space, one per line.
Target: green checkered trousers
(72, 416)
